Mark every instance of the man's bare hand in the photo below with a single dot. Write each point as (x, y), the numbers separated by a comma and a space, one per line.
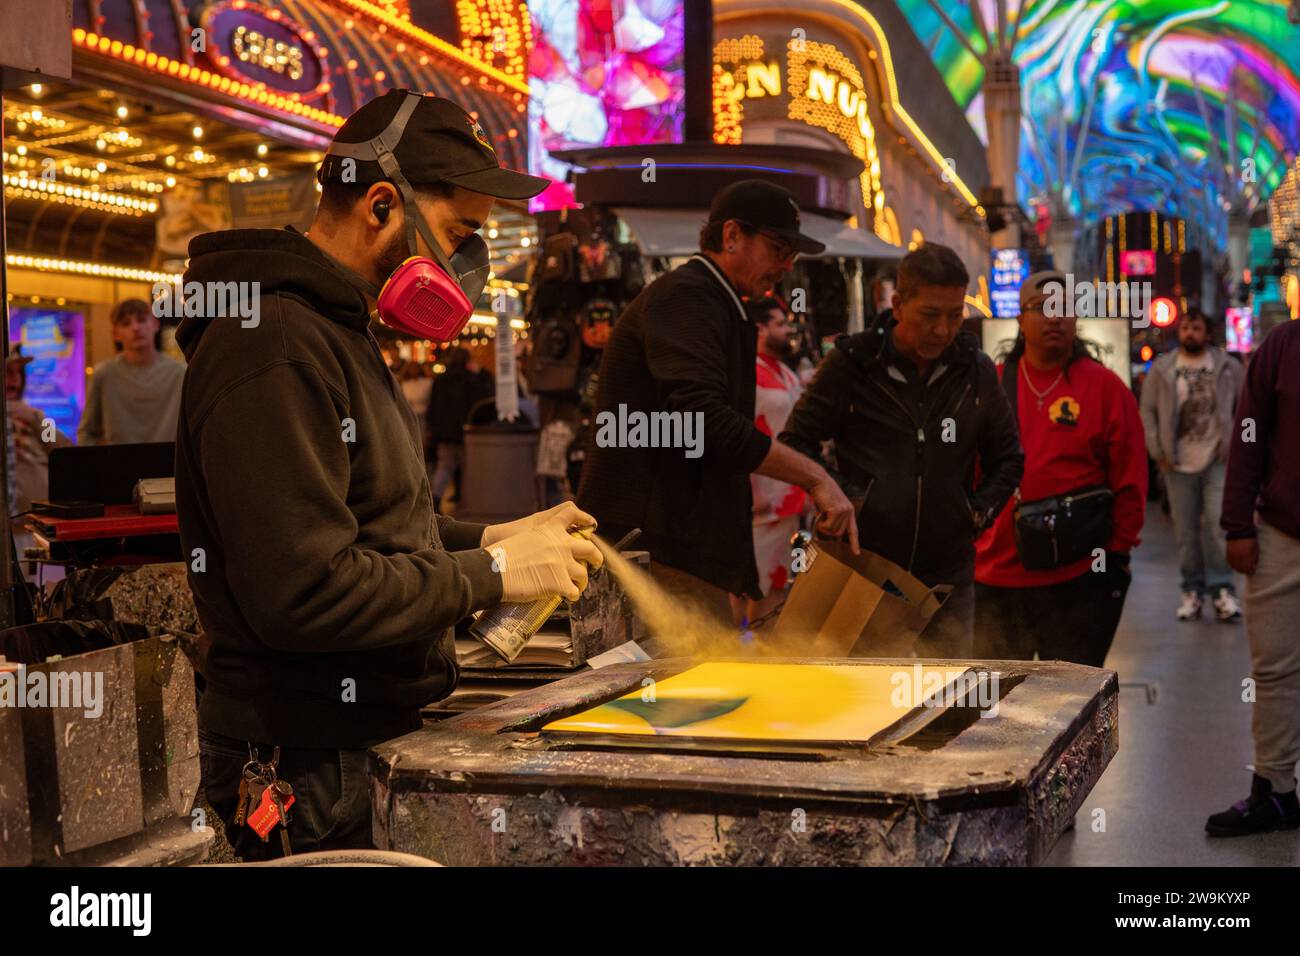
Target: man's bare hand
(835, 513)
(1243, 555)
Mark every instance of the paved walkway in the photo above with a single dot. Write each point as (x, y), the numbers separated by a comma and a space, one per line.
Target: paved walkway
(1184, 734)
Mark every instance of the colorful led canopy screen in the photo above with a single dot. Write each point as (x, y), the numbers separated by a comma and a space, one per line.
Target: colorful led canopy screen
(601, 74)
(1161, 69)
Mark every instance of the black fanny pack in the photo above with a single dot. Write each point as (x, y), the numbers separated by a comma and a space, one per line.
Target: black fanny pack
(1056, 531)
(1053, 532)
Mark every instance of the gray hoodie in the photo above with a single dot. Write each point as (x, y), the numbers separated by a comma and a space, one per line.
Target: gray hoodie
(1160, 401)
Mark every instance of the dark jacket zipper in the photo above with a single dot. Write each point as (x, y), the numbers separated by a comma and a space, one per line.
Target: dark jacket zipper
(920, 452)
(920, 461)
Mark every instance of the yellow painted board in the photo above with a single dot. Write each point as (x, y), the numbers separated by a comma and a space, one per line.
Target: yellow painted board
(757, 701)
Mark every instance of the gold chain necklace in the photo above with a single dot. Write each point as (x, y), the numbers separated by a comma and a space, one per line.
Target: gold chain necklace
(1044, 393)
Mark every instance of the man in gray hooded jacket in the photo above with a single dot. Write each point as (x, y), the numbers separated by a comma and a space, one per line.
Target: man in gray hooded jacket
(1188, 406)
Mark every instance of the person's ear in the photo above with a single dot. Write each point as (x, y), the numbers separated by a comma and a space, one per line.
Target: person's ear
(730, 235)
(895, 301)
(379, 202)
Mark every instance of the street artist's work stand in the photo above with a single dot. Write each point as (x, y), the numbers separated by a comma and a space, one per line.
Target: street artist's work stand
(120, 531)
(117, 521)
(488, 788)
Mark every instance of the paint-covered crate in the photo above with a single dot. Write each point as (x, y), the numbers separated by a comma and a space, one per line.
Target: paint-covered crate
(993, 783)
(97, 746)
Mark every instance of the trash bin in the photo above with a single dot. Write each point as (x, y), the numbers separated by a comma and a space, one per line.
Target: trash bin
(499, 474)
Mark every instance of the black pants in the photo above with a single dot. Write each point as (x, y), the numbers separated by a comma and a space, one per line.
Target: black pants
(951, 632)
(331, 789)
(1071, 621)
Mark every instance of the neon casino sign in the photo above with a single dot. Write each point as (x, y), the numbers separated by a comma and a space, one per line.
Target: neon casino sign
(822, 88)
(256, 44)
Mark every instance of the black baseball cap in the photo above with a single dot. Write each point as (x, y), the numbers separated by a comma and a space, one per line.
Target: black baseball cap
(767, 206)
(440, 143)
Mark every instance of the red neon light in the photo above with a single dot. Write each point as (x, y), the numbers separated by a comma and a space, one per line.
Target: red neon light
(1164, 312)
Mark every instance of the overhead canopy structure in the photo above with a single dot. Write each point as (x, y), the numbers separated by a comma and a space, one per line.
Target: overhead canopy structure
(1192, 110)
(110, 173)
(306, 64)
(676, 232)
(843, 241)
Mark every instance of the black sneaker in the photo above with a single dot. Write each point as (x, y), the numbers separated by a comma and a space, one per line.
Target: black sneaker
(1263, 812)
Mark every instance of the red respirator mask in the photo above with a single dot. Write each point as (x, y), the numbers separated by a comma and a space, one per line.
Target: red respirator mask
(425, 298)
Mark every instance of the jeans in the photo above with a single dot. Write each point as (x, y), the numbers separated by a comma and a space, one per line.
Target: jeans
(1195, 503)
(1074, 620)
(331, 791)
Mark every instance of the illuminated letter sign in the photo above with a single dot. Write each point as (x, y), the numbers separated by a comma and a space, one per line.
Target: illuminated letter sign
(821, 85)
(254, 44)
(752, 80)
(823, 88)
(764, 78)
(1010, 270)
(826, 90)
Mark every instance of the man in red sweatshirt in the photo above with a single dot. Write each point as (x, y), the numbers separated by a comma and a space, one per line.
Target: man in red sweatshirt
(1080, 428)
(1264, 477)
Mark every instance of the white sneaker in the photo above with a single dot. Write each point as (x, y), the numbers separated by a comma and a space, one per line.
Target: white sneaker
(1227, 607)
(1190, 609)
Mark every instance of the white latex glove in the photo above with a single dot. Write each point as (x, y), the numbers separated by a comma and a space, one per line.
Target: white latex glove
(567, 514)
(544, 561)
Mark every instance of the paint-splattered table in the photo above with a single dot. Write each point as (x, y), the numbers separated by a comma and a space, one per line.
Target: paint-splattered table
(488, 788)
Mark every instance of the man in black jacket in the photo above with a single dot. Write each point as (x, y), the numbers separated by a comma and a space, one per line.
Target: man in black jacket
(324, 581)
(673, 440)
(912, 405)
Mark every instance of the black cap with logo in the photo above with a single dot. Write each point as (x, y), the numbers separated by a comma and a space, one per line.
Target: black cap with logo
(766, 206)
(440, 143)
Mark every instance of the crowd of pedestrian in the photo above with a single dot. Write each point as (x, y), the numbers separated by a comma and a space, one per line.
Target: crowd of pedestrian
(1018, 484)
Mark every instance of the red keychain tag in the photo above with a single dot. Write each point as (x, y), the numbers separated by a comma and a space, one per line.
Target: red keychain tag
(266, 816)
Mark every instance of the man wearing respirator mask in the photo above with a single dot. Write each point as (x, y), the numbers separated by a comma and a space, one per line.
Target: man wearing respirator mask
(325, 581)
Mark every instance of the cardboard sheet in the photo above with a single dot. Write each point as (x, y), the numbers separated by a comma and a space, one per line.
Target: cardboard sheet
(754, 701)
(856, 605)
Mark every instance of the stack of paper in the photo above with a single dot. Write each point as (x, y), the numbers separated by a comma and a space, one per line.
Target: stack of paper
(552, 646)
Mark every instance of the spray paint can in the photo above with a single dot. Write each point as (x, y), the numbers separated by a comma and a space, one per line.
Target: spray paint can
(509, 626)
